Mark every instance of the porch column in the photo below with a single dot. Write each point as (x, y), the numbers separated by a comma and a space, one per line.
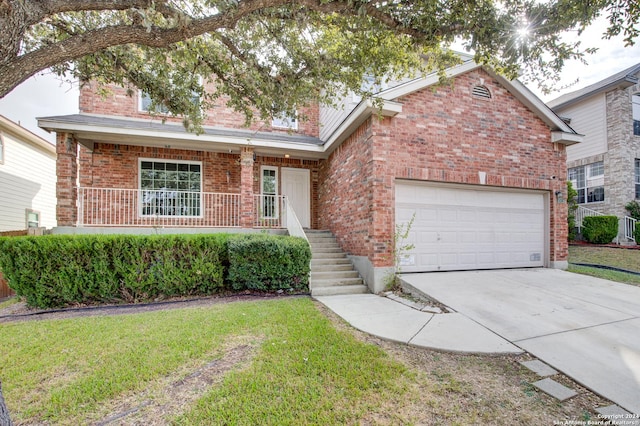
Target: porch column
(246, 188)
(66, 185)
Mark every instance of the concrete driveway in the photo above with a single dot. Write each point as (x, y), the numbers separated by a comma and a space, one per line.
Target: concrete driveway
(586, 327)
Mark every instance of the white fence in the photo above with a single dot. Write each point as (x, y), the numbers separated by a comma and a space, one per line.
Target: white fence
(582, 212)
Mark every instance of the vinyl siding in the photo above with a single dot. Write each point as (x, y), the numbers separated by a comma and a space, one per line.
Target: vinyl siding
(27, 181)
(331, 117)
(588, 118)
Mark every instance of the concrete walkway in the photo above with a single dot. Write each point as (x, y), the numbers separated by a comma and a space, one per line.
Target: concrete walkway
(587, 328)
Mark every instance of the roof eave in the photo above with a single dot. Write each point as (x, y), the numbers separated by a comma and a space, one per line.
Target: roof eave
(623, 83)
(88, 133)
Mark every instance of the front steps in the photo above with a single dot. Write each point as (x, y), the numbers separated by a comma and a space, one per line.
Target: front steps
(331, 271)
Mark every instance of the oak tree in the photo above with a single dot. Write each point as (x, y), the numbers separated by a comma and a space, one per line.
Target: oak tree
(267, 56)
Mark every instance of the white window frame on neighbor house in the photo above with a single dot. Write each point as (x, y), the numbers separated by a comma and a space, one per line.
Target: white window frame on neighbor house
(29, 215)
(637, 177)
(152, 200)
(269, 205)
(635, 111)
(588, 180)
(283, 121)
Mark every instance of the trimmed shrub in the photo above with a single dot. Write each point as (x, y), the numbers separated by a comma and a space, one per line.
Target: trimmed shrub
(600, 229)
(60, 270)
(268, 262)
(636, 233)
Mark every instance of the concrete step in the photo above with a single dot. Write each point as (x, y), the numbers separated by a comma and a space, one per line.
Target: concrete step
(334, 275)
(318, 256)
(334, 282)
(335, 249)
(329, 261)
(331, 267)
(320, 241)
(324, 244)
(333, 291)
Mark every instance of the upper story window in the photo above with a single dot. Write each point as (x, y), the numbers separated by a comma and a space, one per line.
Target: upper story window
(284, 121)
(145, 104)
(635, 105)
(637, 178)
(170, 188)
(589, 182)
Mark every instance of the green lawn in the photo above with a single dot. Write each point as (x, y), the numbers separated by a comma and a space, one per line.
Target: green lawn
(279, 362)
(617, 257)
(608, 256)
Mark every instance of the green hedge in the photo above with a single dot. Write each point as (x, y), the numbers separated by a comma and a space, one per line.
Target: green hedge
(261, 262)
(600, 229)
(636, 233)
(58, 270)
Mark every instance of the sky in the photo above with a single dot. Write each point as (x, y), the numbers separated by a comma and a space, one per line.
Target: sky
(45, 95)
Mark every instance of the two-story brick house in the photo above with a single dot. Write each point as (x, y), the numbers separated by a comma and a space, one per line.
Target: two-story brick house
(605, 168)
(479, 164)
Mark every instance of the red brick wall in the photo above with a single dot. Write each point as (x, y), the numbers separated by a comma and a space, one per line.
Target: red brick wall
(443, 135)
(345, 193)
(124, 102)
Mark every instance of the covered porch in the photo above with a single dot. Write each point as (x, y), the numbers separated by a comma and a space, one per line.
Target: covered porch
(161, 177)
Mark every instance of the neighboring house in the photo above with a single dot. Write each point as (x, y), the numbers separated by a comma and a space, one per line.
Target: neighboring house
(605, 168)
(27, 179)
(479, 163)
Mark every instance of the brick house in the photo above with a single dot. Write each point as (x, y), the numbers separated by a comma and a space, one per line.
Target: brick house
(479, 165)
(605, 168)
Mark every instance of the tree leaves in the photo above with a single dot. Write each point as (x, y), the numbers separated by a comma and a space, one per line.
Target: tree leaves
(271, 56)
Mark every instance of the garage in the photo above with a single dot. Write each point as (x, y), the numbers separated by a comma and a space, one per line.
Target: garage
(466, 227)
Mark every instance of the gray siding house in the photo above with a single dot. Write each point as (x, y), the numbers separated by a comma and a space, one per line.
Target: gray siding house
(605, 167)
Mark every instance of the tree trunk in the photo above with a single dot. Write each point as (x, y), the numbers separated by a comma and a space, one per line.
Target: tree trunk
(5, 420)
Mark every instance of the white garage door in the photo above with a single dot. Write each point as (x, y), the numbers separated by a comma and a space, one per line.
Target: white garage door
(469, 227)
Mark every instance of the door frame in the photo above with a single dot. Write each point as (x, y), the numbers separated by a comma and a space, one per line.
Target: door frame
(285, 174)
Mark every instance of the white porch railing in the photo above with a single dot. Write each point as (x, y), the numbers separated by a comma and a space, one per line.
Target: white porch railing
(164, 208)
(630, 228)
(269, 211)
(582, 212)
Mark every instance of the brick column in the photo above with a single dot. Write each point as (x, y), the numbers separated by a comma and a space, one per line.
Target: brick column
(67, 173)
(246, 188)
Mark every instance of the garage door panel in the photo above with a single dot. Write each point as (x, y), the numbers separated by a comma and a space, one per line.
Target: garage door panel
(460, 228)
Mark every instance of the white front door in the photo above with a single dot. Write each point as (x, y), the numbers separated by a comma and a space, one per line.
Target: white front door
(296, 187)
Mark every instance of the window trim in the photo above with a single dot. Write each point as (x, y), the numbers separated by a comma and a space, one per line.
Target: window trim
(276, 212)
(1, 148)
(36, 212)
(275, 122)
(164, 160)
(635, 119)
(636, 164)
(141, 95)
(586, 171)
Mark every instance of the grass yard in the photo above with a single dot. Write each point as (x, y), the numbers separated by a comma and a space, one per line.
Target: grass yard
(608, 256)
(279, 362)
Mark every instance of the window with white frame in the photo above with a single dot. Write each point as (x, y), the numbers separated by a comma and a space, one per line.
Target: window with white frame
(146, 104)
(171, 188)
(637, 175)
(635, 106)
(33, 218)
(269, 192)
(588, 181)
(284, 121)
